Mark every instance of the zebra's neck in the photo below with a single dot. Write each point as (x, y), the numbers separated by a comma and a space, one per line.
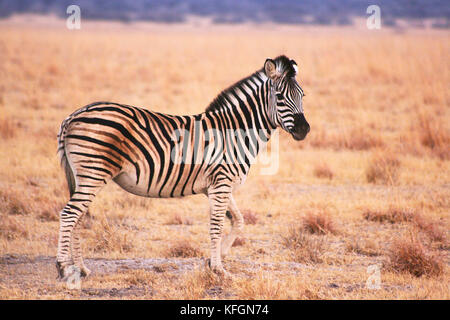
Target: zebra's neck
(247, 101)
(242, 114)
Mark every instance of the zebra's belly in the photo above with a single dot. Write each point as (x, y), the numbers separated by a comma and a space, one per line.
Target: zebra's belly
(128, 182)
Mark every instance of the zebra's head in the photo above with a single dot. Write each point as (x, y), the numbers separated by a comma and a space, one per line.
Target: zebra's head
(285, 98)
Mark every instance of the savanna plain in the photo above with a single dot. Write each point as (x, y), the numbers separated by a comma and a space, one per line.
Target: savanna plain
(358, 210)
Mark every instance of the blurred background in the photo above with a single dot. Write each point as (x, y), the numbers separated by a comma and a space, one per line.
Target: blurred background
(326, 12)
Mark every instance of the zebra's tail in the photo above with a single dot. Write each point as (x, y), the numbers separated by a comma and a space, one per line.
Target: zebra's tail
(63, 156)
(68, 170)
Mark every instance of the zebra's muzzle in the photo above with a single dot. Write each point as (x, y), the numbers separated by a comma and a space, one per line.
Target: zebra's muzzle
(301, 127)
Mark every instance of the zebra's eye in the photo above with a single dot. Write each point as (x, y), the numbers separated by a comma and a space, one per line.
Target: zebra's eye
(279, 96)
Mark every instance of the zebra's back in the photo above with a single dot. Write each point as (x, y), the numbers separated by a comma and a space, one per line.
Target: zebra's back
(138, 149)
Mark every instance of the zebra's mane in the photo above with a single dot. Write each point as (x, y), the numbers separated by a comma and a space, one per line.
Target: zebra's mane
(284, 65)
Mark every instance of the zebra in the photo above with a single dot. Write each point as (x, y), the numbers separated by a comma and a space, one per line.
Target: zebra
(140, 150)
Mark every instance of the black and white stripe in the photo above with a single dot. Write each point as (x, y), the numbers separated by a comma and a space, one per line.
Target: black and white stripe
(158, 155)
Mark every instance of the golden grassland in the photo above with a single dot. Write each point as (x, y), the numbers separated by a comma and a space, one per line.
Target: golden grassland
(370, 185)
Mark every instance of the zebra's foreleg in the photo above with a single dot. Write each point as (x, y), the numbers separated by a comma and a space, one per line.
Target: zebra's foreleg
(237, 223)
(218, 199)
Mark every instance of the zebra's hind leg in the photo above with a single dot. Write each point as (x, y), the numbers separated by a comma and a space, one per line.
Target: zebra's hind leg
(69, 248)
(76, 250)
(237, 223)
(218, 201)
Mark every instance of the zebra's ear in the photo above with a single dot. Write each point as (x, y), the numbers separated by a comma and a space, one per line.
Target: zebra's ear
(270, 69)
(295, 66)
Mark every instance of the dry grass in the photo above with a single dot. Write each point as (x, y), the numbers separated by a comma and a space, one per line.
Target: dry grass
(7, 128)
(383, 168)
(184, 249)
(433, 134)
(377, 104)
(249, 217)
(319, 223)
(239, 241)
(178, 219)
(433, 229)
(393, 214)
(12, 229)
(305, 248)
(110, 238)
(322, 170)
(409, 254)
(369, 248)
(13, 203)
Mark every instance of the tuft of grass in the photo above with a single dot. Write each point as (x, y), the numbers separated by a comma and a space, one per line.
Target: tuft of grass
(433, 134)
(431, 228)
(322, 170)
(12, 229)
(262, 286)
(368, 248)
(239, 242)
(109, 238)
(392, 215)
(11, 202)
(383, 168)
(184, 249)
(178, 219)
(355, 140)
(305, 248)
(249, 217)
(203, 282)
(319, 223)
(410, 255)
(8, 129)
(140, 277)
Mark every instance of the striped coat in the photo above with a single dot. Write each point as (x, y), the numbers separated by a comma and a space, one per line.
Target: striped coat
(158, 155)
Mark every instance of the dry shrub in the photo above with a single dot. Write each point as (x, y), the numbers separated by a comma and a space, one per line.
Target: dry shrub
(184, 249)
(178, 219)
(109, 238)
(431, 228)
(392, 214)
(12, 229)
(356, 139)
(203, 282)
(409, 254)
(433, 134)
(140, 277)
(239, 242)
(11, 202)
(319, 223)
(322, 170)
(305, 248)
(368, 248)
(383, 168)
(164, 267)
(7, 128)
(50, 210)
(360, 140)
(262, 286)
(249, 217)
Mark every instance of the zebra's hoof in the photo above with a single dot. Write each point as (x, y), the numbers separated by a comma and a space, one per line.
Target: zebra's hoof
(84, 272)
(61, 268)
